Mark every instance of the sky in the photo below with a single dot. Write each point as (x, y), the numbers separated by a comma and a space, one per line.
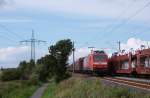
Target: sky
(97, 23)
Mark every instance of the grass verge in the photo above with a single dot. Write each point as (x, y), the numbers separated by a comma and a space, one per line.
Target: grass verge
(76, 87)
(16, 89)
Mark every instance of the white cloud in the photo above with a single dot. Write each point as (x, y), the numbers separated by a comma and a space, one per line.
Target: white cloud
(11, 56)
(135, 44)
(99, 8)
(7, 52)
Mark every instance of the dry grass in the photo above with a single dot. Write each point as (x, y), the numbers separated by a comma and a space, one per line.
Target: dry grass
(16, 89)
(76, 87)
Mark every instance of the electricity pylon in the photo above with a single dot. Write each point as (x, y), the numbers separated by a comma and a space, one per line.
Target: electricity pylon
(32, 42)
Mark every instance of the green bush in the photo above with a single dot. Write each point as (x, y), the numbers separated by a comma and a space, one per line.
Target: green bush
(34, 79)
(26, 69)
(10, 74)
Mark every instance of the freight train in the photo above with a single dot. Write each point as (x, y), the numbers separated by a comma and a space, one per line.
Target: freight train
(95, 62)
(132, 63)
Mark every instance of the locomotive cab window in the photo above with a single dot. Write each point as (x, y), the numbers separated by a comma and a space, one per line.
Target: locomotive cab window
(98, 58)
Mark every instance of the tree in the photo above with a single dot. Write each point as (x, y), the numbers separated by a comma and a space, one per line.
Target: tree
(61, 52)
(51, 65)
(45, 67)
(26, 68)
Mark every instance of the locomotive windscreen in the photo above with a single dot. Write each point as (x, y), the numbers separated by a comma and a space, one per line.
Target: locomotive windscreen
(98, 58)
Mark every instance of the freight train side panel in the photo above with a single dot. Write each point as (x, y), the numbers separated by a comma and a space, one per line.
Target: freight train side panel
(143, 64)
(132, 63)
(122, 64)
(79, 64)
(143, 71)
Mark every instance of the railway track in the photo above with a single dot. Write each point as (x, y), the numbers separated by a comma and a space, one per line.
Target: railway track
(131, 83)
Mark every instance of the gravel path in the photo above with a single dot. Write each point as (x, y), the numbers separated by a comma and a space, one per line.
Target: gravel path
(39, 92)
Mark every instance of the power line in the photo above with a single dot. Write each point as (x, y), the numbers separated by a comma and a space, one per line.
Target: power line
(123, 22)
(7, 38)
(11, 32)
(33, 42)
(130, 17)
(127, 20)
(139, 32)
(118, 17)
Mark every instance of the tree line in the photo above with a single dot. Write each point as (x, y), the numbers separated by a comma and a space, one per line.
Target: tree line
(51, 66)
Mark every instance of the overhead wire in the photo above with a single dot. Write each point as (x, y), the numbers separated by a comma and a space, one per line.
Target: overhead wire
(7, 43)
(118, 18)
(6, 37)
(111, 25)
(123, 22)
(11, 33)
(128, 19)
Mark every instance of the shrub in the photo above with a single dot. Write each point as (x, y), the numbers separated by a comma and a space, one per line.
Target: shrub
(34, 80)
(10, 74)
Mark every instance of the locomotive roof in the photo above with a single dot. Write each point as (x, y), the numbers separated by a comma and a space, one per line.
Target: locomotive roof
(94, 52)
(98, 51)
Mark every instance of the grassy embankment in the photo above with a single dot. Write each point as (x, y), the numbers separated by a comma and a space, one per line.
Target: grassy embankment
(16, 89)
(88, 88)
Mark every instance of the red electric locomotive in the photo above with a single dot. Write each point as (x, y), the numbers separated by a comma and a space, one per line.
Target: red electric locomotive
(97, 62)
